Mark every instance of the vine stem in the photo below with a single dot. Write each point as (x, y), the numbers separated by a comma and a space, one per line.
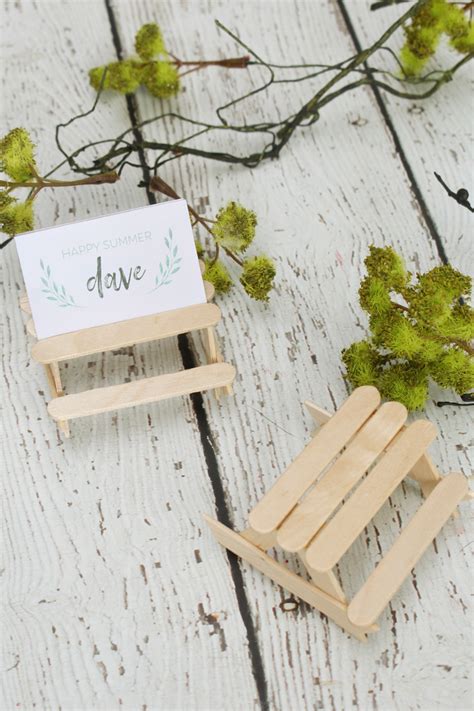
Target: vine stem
(157, 184)
(39, 183)
(196, 65)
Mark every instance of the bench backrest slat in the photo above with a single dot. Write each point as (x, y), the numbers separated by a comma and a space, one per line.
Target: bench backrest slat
(305, 469)
(368, 444)
(350, 520)
(125, 333)
(412, 542)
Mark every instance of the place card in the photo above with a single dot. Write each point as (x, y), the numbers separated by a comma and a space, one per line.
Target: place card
(111, 268)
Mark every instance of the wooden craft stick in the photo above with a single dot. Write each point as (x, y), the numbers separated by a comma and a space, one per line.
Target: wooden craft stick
(350, 520)
(307, 517)
(303, 589)
(125, 333)
(54, 380)
(326, 444)
(425, 472)
(319, 415)
(325, 581)
(25, 304)
(415, 538)
(140, 392)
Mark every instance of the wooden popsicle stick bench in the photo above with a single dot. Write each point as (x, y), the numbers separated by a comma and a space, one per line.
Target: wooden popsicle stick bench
(331, 492)
(50, 352)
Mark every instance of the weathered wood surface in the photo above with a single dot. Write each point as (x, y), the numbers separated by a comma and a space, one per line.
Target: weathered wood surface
(116, 596)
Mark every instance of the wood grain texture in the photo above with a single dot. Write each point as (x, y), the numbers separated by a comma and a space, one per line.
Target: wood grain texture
(407, 550)
(122, 334)
(116, 596)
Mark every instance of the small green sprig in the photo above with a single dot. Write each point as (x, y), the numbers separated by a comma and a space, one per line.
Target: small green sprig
(153, 67)
(232, 231)
(17, 161)
(432, 20)
(420, 329)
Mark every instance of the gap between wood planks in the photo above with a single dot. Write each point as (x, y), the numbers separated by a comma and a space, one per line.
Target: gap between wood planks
(435, 236)
(207, 440)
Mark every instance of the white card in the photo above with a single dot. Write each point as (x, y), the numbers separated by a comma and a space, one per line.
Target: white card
(111, 268)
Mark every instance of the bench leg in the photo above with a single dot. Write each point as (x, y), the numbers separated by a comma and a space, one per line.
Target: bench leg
(213, 355)
(299, 587)
(55, 384)
(325, 581)
(426, 474)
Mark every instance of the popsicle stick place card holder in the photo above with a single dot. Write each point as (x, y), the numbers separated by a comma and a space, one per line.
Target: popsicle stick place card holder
(331, 492)
(114, 282)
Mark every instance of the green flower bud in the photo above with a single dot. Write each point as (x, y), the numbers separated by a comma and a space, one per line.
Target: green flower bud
(363, 364)
(459, 325)
(5, 199)
(161, 79)
(149, 42)
(436, 293)
(16, 217)
(404, 383)
(218, 275)
(403, 340)
(432, 19)
(257, 277)
(385, 264)
(464, 43)
(235, 227)
(374, 296)
(412, 65)
(454, 369)
(16, 155)
(124, 76)
(95, 78)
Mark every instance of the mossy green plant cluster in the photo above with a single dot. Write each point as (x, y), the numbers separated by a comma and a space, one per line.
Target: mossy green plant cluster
(433, 20)
(234, 231)
(151, 68)
(17, 161)
(421, 329)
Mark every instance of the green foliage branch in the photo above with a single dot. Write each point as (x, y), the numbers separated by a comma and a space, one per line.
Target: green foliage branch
(421, 329)
(341, 77)
(233, 228)
(153, 67)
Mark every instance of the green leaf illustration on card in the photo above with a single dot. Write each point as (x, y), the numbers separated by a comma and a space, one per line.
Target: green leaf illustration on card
(53, 291)
(170, 266)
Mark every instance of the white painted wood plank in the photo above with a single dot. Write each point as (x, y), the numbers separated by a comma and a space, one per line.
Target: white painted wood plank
(111, 600)
(319, 207)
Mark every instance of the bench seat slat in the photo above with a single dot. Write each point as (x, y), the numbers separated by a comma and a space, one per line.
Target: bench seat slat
(341, 531)
(305, 469)
(307, 517)
(125, 333)
(402, 557)
(140, 392)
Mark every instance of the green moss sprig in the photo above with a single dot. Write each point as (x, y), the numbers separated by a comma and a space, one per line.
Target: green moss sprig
(232, 231)
(153, 67)
(432, 20)
(18, 163)
(421, 329)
